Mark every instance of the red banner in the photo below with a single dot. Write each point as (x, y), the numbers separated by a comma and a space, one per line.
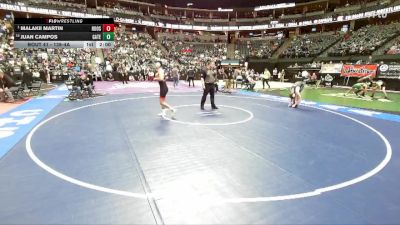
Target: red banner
(187, 50)
(359, 70)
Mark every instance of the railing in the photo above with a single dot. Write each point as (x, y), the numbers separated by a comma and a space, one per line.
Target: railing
(347, 8)
(317, 13)
(202, 20)
(293, 16)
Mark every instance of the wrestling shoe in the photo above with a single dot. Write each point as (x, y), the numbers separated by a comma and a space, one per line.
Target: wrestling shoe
(173, 113)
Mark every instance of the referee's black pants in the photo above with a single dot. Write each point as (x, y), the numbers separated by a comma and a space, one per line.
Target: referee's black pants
(191, 79)
(209, 88)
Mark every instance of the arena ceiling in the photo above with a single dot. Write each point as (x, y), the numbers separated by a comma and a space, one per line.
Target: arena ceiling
(214, 4)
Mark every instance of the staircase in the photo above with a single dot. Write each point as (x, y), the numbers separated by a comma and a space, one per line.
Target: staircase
(99, 53)
(325, 52)
(230, 53)
(162, 47)
(282, 48)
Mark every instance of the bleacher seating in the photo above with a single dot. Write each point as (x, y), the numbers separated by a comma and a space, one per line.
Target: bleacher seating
(309, 45)
(365, 40)
(257, 47)
(196, 54)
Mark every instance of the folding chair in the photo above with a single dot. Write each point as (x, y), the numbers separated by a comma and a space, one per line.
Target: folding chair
(70, 87)
(34, 88)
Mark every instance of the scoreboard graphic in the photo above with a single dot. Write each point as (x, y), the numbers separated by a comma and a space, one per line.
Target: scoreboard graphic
(64, 33)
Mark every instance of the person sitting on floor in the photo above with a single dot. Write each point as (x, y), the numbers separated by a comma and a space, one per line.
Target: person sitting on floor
(87, 84)
(109, 77)
(77, 87)
(251, 82)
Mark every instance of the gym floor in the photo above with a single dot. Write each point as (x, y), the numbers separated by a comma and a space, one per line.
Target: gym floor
(112, 160)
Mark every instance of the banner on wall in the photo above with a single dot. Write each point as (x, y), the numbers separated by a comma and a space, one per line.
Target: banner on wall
(389, 71)
(272, 25)
(334, 68)
(361, 70)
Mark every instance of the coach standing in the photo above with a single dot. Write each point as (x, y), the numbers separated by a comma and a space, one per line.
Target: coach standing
(208, 80)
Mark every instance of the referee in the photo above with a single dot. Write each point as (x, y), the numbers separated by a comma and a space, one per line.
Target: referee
(208, 80)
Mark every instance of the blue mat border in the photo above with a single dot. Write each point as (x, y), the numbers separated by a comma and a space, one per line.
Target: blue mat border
(16, 123)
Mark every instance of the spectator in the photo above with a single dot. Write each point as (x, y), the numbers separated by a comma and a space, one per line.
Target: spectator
(6, 85)
(265, 78)
(365, 40)
(175, 76)
(251, 81)
(282, 77)
(275, 73)
(190, 75)
(309, 46)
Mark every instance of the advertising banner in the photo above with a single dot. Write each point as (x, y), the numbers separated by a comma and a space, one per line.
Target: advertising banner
(349, 70)
(389, 71)
(334, 68)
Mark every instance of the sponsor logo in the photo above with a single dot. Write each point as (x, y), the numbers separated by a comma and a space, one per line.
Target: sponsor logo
(384, 68)
(360, 70)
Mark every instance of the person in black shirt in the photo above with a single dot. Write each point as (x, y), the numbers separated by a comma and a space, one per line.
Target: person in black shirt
(27, 77)
(229, 79)
(208, 80)
(109, 76)
(190, 74)
(116, 74)
(6, 83)
(87, 84)
(77, 86)
(124, 74)
(83, 82)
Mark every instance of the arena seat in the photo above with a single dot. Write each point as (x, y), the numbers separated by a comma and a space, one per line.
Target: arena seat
(365, 40)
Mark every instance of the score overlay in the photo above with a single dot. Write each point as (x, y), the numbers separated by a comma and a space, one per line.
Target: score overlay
(64, 33)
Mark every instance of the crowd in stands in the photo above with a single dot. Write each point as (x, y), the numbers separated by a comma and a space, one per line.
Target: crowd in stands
(309, 46)
(191, 37)
(257, 48)
(194, 54)
(22, 67)
(134, 55)
(365, 40)
(57, 5)
(314, 64)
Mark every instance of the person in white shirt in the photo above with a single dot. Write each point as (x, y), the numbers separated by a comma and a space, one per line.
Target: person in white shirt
(282, 77)
(265, 78)
(252, 82)
(275, 73)
(305, 74)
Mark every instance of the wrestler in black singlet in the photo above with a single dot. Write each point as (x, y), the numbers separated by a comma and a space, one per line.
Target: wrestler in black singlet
(163, 88)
